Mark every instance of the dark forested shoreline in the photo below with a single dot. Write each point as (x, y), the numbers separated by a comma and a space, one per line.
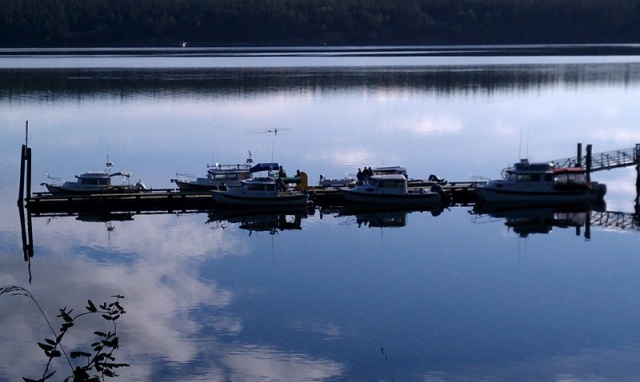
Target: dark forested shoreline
(131, 23)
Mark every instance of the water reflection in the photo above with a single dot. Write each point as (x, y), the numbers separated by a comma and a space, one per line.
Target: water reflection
(210, 304)
(527, 220)
(260, 220)
(381, 217)
(47, 85)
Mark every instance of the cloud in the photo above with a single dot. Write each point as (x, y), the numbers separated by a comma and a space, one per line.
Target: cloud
(155, 263)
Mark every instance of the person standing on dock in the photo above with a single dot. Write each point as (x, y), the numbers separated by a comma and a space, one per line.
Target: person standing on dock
(360, 176)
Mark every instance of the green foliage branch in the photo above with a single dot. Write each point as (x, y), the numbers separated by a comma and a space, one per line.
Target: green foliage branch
(94, 365)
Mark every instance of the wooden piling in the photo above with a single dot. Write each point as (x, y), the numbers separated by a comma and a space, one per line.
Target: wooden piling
(579, 156)
(23, 155)
(637, 158)
(588, 162)
(25, 164)
(28, 180)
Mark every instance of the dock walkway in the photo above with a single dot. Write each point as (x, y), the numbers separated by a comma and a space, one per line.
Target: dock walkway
(603, 161)
(170, 200)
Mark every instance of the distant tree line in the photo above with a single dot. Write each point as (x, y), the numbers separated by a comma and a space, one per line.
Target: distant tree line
(121, 23)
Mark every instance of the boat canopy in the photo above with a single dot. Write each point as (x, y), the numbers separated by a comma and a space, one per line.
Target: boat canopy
(122, 173)
(265, 167)
(388, 170)
(93, 175)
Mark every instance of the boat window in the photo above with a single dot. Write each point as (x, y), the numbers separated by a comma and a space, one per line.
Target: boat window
(271, 187)
(391, 184)
(225, 177)
(525, 178)
(255, 187)
(89, 181)
(571, 179)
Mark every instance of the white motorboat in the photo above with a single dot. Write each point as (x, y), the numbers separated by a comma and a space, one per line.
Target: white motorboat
(393, 190)
(412, 182)
(96, 182)
(219, 177)
(260, 192)
(542, 183)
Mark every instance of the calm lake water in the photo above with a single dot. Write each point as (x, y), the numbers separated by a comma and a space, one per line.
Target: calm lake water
(328, 296)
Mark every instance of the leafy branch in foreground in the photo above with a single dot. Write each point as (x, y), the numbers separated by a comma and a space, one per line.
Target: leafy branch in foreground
(93, 365)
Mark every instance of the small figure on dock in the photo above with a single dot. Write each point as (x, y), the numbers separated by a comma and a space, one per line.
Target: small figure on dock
(282, 173)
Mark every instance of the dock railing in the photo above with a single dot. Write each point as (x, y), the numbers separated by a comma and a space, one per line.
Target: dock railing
(603, 161)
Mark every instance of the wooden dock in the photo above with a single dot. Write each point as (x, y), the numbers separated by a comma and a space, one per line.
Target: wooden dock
(166, 200)
(169, 200)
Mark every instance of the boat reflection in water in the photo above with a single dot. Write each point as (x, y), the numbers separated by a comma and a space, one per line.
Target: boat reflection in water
(261, 220)
(380, 217)
(539, 219)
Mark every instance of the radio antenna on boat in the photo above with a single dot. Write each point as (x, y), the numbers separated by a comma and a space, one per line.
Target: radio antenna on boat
(109, 164)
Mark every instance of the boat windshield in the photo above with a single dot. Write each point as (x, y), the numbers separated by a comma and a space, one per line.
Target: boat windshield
(94, 181)
(518, 177)
(261, 187)
(387, 183)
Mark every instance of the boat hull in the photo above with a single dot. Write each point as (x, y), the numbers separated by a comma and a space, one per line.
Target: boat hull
(195, 186)
(549, 196)
(54, 189)
(226, 198)
(414, 199)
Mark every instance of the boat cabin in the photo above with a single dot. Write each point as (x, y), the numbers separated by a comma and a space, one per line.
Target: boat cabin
(573, 177)
(389, 170)
(227, 175)
(387, 184)
(99, 178)
(94, 179)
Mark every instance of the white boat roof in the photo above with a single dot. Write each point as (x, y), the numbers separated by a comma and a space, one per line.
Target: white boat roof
(389, 177)
(258, 180)
(389, 169)
(102, 175)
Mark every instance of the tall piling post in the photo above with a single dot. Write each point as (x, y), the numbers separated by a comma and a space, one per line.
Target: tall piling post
(23, 156)
(637, 159)
(579, 156)
(25, 168)
(588, 162)
(28, 159)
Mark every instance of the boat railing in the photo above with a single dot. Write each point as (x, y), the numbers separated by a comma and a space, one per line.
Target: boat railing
(479, 180)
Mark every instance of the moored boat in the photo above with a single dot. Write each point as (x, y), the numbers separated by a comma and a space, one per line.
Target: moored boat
(219, 177)
(96, 182)
(260, 192)
(393, 190)
(542, 183)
